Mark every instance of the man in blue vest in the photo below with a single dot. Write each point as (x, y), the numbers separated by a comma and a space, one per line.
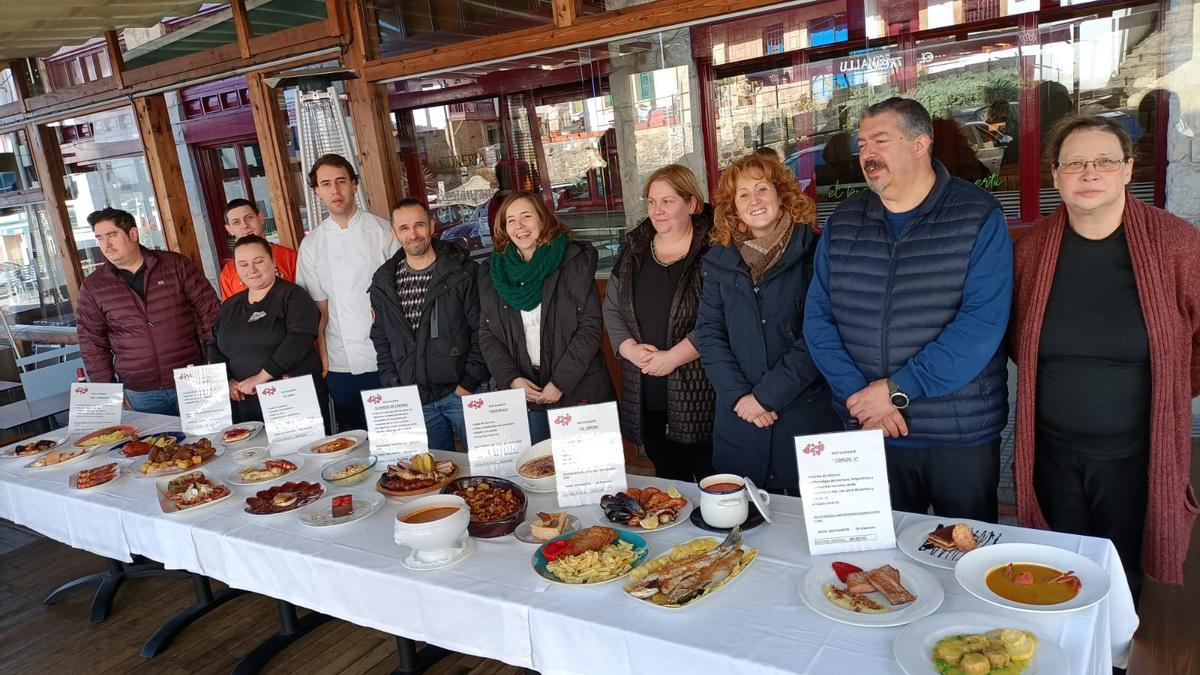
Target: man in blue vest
(907, 312)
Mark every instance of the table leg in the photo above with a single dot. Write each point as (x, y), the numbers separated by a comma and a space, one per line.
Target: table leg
(413, 662)
(110, 582)
(206, 601)
(291, 629)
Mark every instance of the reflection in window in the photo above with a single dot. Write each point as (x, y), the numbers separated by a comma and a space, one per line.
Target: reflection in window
(8, 86)
(16, 164)
(405, 26)
(32, 286)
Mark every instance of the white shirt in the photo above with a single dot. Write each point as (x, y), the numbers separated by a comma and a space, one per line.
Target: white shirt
(532, 321)
(336, 265)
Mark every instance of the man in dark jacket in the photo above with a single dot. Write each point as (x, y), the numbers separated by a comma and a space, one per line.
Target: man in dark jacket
(906, 314)
(426, 329)
(142, 315)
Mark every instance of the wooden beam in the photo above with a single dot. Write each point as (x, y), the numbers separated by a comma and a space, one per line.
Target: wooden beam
(273, 145)
(162, 161)
(47, 161)
(335, 15)
(241, 24)
(564, 12)
(378, 158)
(115, 58)
(610, 24)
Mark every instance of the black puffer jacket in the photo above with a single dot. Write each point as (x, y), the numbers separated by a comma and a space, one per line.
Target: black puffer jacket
(571, 332)
(444, 351)
(690, 398)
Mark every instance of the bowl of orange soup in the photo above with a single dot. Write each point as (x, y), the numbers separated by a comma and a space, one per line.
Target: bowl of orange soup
(1032, 577)
(434, 526)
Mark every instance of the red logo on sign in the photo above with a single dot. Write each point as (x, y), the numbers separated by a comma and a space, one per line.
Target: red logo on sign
(185, 376)
(269, 391)
(476, 404)
(814, 449)
(562, 420)
(81, 390)
(374, 399)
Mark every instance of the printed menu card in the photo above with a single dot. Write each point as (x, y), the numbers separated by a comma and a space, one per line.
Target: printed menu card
(844, 487)
(95, 405)
(497, 431)
(395, 423)
(204, 404)
(291, 413)
(589, 459)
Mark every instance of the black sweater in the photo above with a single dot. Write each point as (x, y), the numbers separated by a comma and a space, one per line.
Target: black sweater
(276, 334)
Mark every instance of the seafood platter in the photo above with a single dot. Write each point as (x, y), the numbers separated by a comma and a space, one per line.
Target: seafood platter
(418, 475)
(594, 555)
(648, 508)
(690, 571)
(190, 491)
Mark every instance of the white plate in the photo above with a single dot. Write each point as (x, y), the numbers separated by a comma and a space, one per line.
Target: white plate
(255, 428)
(320, 512)
(358, 436)
(136, 467)
(920, 583)
(82, 455)
(59, 437)
(912, 541)
(528, 486)
(168, 506)
(974, 567)
(235, 479)
(248, 455)
(410, 561)
(116, 451)
(680, 517)
(744, 549)
(913, 647)
(73, 480)
(524, 531)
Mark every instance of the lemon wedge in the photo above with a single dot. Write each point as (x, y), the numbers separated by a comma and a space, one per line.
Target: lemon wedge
(649, 522)
(673, 493)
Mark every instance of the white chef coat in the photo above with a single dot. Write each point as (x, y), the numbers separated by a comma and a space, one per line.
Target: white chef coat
(337, 265)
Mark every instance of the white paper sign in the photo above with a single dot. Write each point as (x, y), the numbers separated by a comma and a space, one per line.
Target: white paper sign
(844, 486)
(589, 459)
(203, 393)
(291, 413)
(497, 431)
(95, 405)
(395, 423)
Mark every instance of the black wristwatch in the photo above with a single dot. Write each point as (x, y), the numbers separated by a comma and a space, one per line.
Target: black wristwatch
(899, 398)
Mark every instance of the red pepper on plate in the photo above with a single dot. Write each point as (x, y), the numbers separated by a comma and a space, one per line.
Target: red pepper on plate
(844, 569)
(556, 548)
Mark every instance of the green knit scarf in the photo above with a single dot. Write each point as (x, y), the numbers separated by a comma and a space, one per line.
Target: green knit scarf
(518, 282)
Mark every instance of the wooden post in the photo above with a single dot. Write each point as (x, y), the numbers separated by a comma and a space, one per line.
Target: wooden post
(47, 161)
(241, 24)
(378, 157)
(115, 59)
(273, 144)
(162, 160)
(564, 12)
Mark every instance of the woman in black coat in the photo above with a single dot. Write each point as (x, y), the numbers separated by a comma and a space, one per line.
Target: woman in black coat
(266, 332)
(650, 313)
(751, 324)
(540, 321)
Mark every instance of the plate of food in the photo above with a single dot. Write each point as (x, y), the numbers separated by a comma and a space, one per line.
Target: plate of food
(86, 479)
(497, 505)
(283, 498)
(350, 471)
(269, 469)
(942, 543)
(419, 475)
(107, 435)
(545, 526)
(1032, 578)
(340, 510)
(239, 432)
(249, 455)
(646, 509)
(180, 457)
(57, 458)
(690, 571)
(535, 468)
(591, 556)
(189, 491)
(141, 446)
(973, 643)
(31, 448)
(870, 589)
(335, 446)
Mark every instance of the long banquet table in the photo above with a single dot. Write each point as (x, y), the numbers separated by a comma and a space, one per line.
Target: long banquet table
(492, 604)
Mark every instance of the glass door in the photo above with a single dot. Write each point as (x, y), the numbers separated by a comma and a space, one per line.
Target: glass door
(233, 171)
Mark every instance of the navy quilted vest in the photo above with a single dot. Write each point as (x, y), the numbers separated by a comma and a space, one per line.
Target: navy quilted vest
(893, 296)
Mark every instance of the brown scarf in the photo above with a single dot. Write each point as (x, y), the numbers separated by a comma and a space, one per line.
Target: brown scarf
(761, 253)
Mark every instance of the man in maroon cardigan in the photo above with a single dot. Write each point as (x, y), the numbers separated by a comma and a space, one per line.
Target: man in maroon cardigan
(142, 315)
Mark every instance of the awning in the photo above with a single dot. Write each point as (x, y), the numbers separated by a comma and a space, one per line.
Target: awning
(41, 27)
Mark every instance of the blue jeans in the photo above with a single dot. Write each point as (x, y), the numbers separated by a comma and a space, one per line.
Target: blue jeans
(160, 401)
(346, 391)
(444, 420)
(539, 426)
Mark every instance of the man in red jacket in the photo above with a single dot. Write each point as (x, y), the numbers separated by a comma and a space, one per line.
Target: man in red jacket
(142, 315)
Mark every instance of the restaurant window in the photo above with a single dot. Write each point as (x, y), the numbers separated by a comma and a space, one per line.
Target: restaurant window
(1103, 66)
(645, 86)
(276, 15)
(773, 39)
(16, 164)
(210, 27)
(404, 26)
(105, 167)
(78, 64)
(33, 289)
(8, 86)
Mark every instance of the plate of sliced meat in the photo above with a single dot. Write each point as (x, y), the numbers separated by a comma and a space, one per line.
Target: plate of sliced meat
(870, 589)
(86, 479)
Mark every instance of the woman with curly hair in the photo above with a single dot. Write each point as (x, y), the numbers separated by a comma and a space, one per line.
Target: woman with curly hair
(750, 324)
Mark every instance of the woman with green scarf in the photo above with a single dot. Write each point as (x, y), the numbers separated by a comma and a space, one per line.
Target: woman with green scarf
(540, 319)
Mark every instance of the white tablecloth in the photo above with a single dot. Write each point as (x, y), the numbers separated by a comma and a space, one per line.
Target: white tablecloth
(492, 604)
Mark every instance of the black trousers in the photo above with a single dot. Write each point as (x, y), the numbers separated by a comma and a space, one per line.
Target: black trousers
(674, 461)
(1097, 498)
(956, 482)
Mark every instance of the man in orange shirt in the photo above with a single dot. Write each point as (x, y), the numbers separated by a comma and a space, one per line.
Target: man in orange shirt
(241, 219)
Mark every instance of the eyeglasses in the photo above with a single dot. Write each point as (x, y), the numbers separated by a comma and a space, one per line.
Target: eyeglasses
(1103, 165)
